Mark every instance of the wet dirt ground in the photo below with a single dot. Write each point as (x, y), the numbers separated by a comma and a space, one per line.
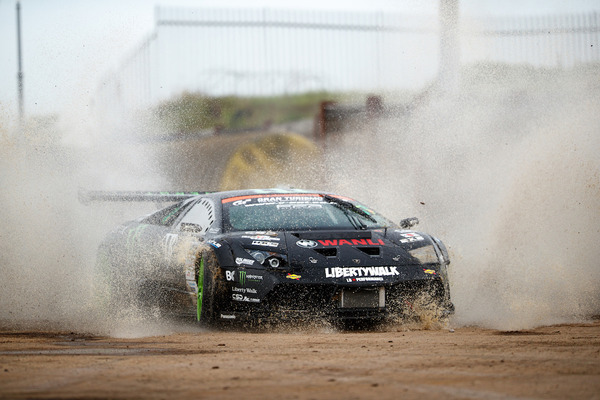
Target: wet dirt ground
(558, 362)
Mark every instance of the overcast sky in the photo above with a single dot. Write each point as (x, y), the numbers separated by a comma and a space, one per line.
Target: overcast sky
(68, 45)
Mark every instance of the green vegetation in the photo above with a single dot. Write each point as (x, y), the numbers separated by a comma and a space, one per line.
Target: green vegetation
(193, 112)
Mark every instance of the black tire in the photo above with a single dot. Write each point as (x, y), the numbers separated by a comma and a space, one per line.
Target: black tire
(207, 275)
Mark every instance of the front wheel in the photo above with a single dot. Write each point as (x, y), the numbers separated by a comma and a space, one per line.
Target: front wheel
(207, 274)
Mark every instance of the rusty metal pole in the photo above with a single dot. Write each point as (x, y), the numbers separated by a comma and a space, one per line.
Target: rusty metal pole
(20, 71)
(449, 45)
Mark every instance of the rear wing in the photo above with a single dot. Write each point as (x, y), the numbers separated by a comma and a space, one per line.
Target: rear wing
(88, 196)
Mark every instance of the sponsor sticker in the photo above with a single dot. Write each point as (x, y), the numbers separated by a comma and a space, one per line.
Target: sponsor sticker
(261, 237)
(244, 277)
(359, 272)
(244, 261)
(269, 198)
(263, 243)
(430, 271)
(365, 279)
(241, 297)
(307, 244)
(243, 290)
(288, 199)
(241, 202)
(293, 276)
(229, 275)
(352, 242)
(227, 316)
(298, 205)
(411, 237)
(214, 244)
(268, 233)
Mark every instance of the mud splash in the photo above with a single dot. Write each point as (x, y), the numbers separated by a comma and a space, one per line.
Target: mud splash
(48, 239)
(505, 171)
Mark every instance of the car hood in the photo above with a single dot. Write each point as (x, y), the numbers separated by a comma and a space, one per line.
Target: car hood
(333, 248)
(364, 248)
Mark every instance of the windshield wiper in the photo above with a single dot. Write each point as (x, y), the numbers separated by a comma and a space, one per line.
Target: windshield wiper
(346, 205)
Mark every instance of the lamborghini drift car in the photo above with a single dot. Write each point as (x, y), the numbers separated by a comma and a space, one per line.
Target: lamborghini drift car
(271, 255)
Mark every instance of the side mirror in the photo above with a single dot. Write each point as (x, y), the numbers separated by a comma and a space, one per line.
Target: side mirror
(409, 222)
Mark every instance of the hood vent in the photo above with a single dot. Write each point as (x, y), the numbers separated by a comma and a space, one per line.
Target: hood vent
(327, 251)
(370, 251)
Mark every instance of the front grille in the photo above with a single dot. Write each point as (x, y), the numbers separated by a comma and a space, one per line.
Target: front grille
(290, 297)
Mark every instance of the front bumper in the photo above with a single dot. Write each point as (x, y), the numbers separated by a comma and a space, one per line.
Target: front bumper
(296, 301)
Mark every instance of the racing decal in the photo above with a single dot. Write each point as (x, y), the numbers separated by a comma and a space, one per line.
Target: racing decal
(339, 272)
(243, 200)
(169, 244)
(227, 316)
(411, 237)
(263, 233)
(243, 290)
(261, 237)
(293, 276)
(312, 260)
(133, 234)
(289, 199)
(263, 243)
(430, 271)
(307, 244)
(245, 277)
(241, 297)
(244, 261)
(230, 275)
(189, 270)
(365, 279)
(214, 244)
(189, 274)
(352, 242)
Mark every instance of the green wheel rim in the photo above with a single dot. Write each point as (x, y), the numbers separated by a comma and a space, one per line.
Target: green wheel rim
(200, 288)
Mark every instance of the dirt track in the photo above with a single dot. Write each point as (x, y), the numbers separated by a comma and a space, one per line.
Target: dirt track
(550, 362)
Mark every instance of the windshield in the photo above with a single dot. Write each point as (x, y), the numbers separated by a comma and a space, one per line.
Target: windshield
(297, 212)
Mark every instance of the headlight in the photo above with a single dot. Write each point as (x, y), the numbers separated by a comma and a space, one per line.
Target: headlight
(259, 256)
(267, 258)
(425, 254)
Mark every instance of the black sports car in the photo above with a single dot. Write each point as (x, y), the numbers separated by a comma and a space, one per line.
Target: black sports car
(271, 255)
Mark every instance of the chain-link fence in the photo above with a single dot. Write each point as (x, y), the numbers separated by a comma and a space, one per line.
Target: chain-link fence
(259, 52)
